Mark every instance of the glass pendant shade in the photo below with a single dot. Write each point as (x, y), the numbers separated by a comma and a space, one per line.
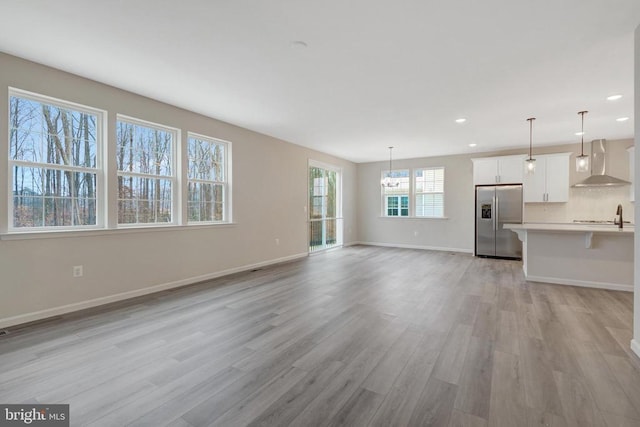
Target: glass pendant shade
(582, 163)
(388, 181)
(530, 166)
(530, 163)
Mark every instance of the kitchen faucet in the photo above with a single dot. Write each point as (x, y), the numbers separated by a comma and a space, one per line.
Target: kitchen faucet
(619, 213)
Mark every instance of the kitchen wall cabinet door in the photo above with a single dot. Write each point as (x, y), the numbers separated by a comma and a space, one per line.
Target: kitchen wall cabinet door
(511, 169)
(557, 175)
(498, 170)
(485, 171)
(550, 182)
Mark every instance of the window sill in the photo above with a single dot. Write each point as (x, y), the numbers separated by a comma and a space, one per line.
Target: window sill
(63, 234)
(415, 217)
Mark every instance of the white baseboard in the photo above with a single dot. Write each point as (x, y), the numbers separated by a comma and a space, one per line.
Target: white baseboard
(57, 311)
(582, 283)
(635, 347)
(403, 246)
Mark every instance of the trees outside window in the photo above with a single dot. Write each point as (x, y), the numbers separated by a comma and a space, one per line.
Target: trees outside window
(207, 179)
(54, 156)
(145, 158)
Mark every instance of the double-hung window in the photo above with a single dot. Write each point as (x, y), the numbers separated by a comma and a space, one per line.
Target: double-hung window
(146, 159)
(415, 193)
(429, 192)
(55, 163)
(207, 179)
(396, 197)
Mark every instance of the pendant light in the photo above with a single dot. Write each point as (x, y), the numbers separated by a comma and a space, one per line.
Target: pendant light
(388, 181)
(582, 161)
(530, 162)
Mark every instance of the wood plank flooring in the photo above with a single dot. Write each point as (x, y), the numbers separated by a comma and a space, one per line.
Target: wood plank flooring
(360, 336)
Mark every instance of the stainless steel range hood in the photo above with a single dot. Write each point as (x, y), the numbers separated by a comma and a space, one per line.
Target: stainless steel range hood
(599, 160)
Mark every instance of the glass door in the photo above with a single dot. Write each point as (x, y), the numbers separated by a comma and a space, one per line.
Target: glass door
(325, 216)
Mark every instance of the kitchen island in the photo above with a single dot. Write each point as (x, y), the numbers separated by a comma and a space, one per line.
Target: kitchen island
(595, 256)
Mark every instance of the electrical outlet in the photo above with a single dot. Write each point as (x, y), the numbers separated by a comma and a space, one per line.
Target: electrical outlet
(277, 241)
(77, 271)
(415, 234)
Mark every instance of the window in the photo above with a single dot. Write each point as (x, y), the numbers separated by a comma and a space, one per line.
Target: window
(397, 206)
(207, 179)
(55, 163)
(325, 206)
(58, 170)
(429, 192)
(420, 197)
(145, 157)
(396, 199)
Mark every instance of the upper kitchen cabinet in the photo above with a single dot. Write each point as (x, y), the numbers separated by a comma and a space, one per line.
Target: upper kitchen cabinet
(498, 170)
(550, 182)
(632, 162)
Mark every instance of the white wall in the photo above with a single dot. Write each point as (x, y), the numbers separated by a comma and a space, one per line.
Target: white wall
(269, 197)
(454, 233)
(635, 344)
(457, 231)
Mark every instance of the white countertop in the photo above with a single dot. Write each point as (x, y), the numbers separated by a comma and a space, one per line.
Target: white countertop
(572, 227)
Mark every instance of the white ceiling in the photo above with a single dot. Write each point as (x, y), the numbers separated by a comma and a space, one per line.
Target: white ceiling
(375, 72)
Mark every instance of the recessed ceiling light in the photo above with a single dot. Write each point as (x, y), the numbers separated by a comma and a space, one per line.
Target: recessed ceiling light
(622, 119)
(579, 133)
(473, 144)
(299, 44)
(461, 120)
(613, 97)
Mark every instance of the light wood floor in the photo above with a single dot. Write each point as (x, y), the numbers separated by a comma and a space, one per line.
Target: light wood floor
(359, 336)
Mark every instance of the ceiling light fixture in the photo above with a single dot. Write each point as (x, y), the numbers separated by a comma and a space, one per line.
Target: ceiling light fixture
(530, 162)
(473, 144)
(582, 161)
(622, 119)
(388, 181)
(613, 97)
(461, 120)
(579, 133)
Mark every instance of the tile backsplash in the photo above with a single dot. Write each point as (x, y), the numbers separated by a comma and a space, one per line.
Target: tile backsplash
(590, 203)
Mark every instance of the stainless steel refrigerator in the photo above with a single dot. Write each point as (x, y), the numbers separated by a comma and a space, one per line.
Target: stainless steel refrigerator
(497, 205)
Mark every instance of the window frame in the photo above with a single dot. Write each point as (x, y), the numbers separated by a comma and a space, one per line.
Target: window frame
(385, 195)
(175, 177)
(100, 170)
(411, 193)
(416, 193)
(226, 193)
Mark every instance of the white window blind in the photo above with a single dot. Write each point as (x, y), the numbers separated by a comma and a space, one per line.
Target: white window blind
(429, 192)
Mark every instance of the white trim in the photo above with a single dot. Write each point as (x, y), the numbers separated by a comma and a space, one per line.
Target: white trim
(101, 159)
(226, 183)
(57, 311)
(322, 165)
(403, 246)
(581, 283)
(413, 217)
(92, 232)
(33, 96)
(635, 347)
(176, 169)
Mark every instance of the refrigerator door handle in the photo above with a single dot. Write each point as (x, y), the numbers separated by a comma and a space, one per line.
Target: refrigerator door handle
(495, 212)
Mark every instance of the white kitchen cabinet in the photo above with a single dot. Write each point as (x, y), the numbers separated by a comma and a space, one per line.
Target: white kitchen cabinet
(550, 182)
(632, 162)
(498, 170)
